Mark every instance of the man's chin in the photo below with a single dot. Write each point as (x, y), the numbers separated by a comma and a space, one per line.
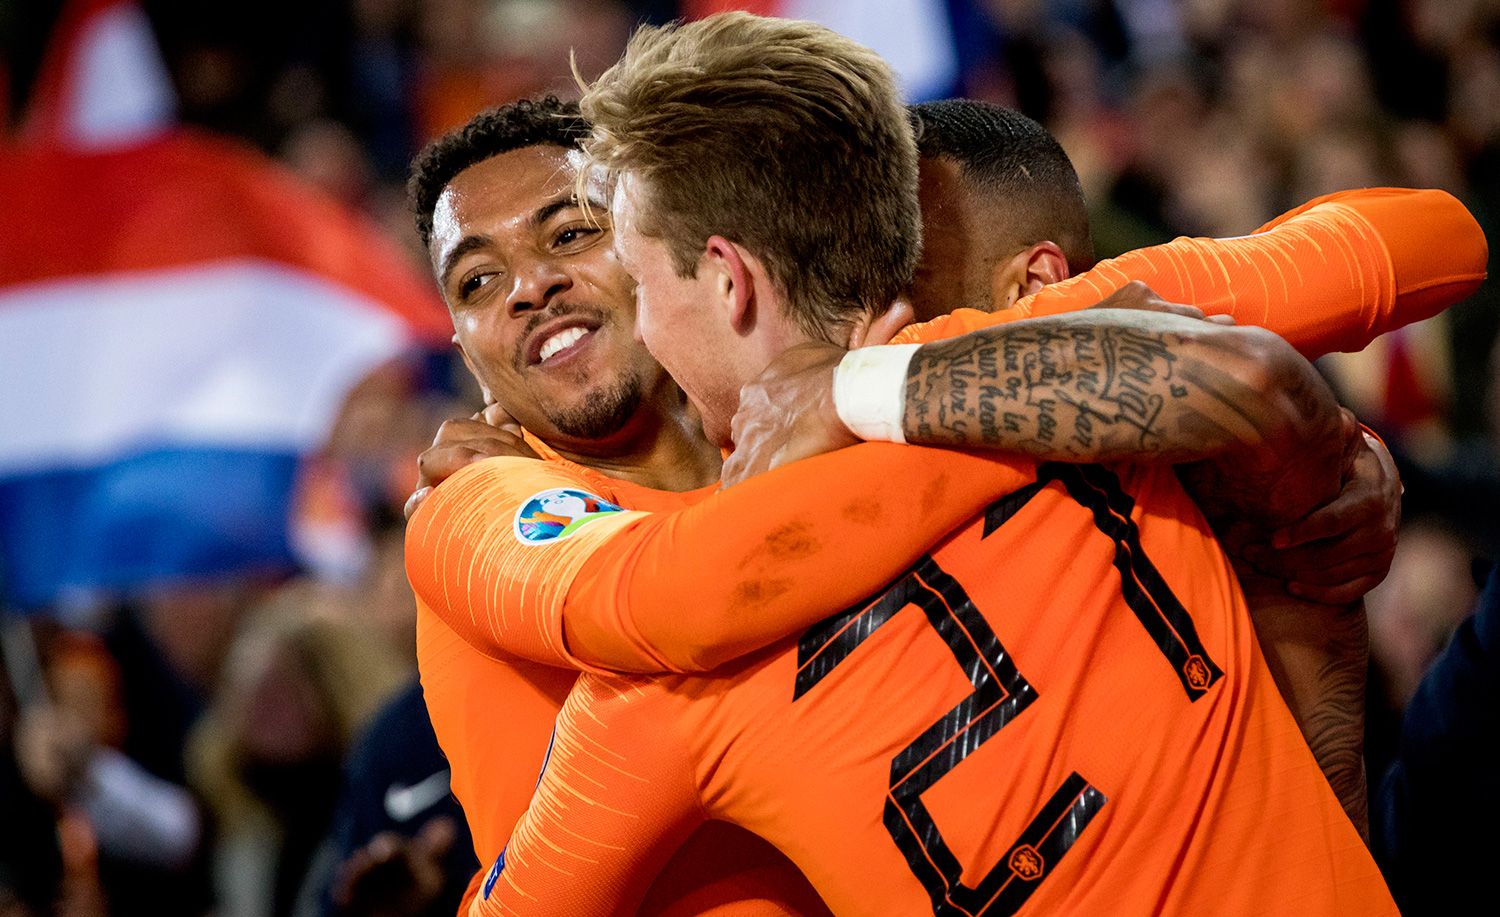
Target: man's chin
(601, 413)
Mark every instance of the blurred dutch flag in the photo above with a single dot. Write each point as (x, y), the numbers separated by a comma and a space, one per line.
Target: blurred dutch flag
(180, 320)
(915, 36)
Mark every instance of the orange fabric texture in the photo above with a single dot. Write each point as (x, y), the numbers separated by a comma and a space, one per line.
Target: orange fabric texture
(689, 589)
(1089, 730)
(494, 720)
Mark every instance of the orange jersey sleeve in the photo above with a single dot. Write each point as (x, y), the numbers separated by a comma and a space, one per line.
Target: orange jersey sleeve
(1332, 275)
(493, 719)
(688, 589)
(617, 796)
(494, 722)
(616, 799)
(493, 551)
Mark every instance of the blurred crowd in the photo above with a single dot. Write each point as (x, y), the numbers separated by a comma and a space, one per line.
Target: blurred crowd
(196, 749)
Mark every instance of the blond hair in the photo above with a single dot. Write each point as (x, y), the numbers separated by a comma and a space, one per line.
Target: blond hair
(782, 136)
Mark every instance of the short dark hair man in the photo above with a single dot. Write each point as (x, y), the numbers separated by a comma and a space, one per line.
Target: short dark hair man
(1002, 210)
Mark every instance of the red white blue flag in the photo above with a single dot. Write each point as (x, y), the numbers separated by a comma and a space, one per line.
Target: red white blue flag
(180, 320)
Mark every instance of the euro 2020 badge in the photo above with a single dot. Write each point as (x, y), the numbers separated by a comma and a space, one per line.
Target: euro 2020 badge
(553, 515)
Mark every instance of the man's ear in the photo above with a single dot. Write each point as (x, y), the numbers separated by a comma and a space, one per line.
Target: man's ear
(489, 397)
(733, 281)
(1026, 272)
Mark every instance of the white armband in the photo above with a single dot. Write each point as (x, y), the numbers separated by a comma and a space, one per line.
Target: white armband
(869, 391)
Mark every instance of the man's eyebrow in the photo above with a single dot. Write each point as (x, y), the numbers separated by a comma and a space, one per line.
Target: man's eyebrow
(540, 216)
(465, 245)
(550, 209)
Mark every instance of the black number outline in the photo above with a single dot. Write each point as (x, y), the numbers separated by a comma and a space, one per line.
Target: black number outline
(1144, 589)
(1001, 693)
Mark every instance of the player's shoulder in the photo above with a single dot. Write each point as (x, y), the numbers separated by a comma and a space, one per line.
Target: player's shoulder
(551, 500)
(515, 479)
(1156, 498)
(545, 501)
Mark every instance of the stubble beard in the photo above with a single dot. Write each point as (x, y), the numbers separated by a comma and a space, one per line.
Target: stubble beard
(603, 412)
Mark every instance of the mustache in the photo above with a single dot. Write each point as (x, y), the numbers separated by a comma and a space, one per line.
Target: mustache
(551, 313)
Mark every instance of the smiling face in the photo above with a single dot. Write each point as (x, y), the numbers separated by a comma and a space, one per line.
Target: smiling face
(543, 313)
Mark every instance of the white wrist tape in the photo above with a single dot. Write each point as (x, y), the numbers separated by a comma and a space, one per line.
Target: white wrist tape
(869, 391)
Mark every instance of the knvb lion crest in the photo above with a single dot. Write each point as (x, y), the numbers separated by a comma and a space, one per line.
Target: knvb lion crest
(553, 515)
(1197, 672)
(1027, 863)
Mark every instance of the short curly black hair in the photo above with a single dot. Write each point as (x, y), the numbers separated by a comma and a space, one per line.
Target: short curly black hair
(527, 122)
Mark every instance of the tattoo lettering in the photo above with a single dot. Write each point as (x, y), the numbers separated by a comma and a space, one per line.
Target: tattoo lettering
(1319, 656)
(1089, 392)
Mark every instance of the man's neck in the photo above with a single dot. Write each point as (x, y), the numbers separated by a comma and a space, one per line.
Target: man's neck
(662, 448)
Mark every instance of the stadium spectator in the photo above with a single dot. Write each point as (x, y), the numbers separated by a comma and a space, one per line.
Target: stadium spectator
(400, 845)
(298, 686)
(1441, 785)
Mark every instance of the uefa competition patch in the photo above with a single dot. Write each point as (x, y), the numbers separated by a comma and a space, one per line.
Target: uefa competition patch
(553, 515)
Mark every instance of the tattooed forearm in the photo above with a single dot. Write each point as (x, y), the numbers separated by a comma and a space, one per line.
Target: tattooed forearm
(1087, 387)
(1334, 729)
(1319, 657)
(1121, 385)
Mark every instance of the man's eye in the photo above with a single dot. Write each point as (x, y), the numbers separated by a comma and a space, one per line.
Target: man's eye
(573, 234)
(471, 285)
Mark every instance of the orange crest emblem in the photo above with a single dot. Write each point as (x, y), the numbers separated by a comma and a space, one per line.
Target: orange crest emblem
(1196, 671)
(1026, 863)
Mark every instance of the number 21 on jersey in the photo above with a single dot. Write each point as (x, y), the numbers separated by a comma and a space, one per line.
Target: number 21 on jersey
(1001, 693)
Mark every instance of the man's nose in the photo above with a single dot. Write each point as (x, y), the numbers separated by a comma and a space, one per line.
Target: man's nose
(534, 286)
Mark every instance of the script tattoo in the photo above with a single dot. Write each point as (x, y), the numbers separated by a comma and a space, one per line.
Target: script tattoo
(1319, 656)
(1335, 727)
(1092, 391)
